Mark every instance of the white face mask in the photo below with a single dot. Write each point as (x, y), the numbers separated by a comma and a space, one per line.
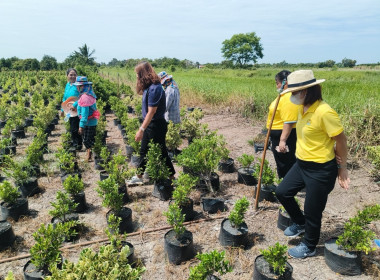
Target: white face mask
(297, 99)
(279, 90)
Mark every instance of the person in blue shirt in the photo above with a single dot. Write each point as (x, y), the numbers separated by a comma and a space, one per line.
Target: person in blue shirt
(71, 91)
(154, 126)
(87, 113)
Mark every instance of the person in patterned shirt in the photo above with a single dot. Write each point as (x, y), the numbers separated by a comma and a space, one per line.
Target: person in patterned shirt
(172, 97)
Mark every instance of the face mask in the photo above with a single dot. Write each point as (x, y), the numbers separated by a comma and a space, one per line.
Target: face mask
(297, 99)
(279, 90)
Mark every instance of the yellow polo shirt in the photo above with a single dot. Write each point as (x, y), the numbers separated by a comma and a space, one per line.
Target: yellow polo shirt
(315, 130)
(287, 112)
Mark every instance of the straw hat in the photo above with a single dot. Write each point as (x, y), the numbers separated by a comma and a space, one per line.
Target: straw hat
(301, 79)
(67, 106)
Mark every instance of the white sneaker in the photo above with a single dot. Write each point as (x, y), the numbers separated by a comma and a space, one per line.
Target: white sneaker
(135, 181)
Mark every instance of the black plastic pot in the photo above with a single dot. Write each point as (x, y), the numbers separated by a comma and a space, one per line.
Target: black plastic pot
(129, 152)
(126, 224)
(226, 166)
(98, 163)
(212, 205)
(30, 187)
(258, 147)
(163, 189)
(18, 133)
(179, 249)
(31, 272)
(263, 271)
(245, 176)
(28, 122)
(123, 190)
(80, 198)
(130, 109)
(7, 236)
(15, 210)
(69, 217)
(135, 160)
(187, 210)
(342, 261)
(267, 193)
(213, 179)
(230, 236)
(103, 175)
(116, 122)
(2, 123)
(2, 178)
(283, 220)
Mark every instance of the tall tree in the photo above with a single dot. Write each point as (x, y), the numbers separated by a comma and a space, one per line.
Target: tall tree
(243, 48)
(48, 63)
(84, 55)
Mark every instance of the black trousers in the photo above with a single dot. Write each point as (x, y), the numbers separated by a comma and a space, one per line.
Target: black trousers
(89, 133)
(156, 130)
(319, 180)
(284, 161)
(74, 127)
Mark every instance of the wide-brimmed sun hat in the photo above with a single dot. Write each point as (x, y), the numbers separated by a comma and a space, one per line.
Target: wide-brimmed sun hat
(82, 80)
(67, 106)
(301, 79)
(164, 76)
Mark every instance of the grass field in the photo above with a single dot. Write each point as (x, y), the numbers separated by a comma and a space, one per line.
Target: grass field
(354, 94)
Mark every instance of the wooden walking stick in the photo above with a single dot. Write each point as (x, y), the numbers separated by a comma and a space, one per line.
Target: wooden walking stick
(265, 151)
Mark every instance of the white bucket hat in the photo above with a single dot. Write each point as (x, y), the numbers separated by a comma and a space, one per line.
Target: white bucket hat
(301, 79)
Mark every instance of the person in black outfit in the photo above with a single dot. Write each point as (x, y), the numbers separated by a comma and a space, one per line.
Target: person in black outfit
(154, 126)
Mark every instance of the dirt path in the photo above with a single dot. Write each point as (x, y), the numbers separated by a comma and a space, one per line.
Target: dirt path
(147, 212)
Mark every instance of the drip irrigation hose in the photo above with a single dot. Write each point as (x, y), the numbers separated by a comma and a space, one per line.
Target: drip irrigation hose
(106, 239)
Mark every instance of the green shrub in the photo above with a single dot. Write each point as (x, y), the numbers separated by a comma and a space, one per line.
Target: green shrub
(268, 176)
(357, 236)
(108, 190)
(10, 276)
(246, 160)
(175, 218)
(190, 123)
(73, 185)
(108, 264)
(173, 136)
(8, 193)
(63, 206)
(184, 184)
(236, 216)
(276, 257)
(374, 157)
(156, 166)
(212, 262)
(45, 252)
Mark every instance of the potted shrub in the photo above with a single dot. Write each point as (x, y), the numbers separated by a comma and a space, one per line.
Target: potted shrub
(184, 184)
(284, 220)
(67, 164)
(178, 241)
(173, 139)
(13, 205)
(158, 172)
(272, 264)
(6, 146)
(62, 212)
(22, 174)
(190, 124)
(226, 165)
(343, 254)
(132, 147)
(213, 262)
(74, 186)
(233, 230)
(108, 190)
(258, 142)
(246, 171)
(268, 178)
(45, 254)
(201, 158)
(92, 265)
(117, 240)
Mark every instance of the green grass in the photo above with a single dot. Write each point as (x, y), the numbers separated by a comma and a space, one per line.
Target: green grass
(354, 94)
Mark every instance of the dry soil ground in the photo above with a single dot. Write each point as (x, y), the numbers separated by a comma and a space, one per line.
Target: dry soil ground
(147, 212)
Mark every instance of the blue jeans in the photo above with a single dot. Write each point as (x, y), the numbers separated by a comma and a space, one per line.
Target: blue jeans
(319, 180)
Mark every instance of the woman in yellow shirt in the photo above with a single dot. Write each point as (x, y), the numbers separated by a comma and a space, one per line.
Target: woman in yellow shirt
(318, 130)
(283, 133)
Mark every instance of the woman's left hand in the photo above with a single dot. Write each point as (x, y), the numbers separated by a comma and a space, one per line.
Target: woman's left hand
(139, 135)
(343, 178)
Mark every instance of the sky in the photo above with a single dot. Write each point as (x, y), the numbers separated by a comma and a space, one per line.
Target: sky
(294, 31)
